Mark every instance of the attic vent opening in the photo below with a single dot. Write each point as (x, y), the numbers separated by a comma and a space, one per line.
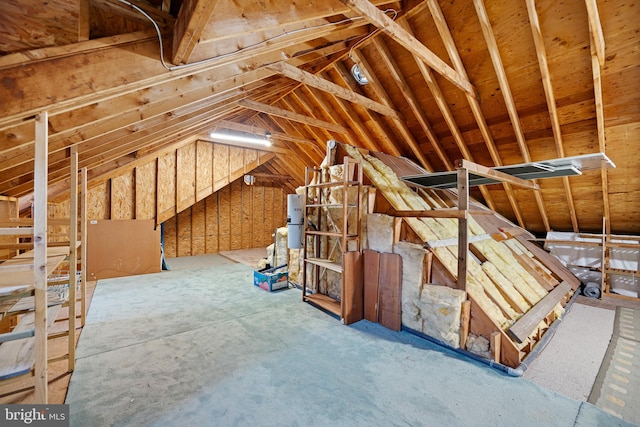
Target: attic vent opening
(357, 74)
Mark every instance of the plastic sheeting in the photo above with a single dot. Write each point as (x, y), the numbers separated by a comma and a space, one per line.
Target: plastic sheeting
(583, 260)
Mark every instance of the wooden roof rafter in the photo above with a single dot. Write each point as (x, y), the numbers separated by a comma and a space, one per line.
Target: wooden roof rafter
(375, 122)
(498, 66)
(400, 124)
(395, 31)
(474, 104)
(411, 101)
(551, 103)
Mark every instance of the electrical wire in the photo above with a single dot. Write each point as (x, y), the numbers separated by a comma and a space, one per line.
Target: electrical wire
(252, 46)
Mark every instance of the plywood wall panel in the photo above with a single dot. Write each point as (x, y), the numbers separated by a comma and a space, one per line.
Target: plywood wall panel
(257, 219)
(247, 214)
(268, 229)
(184, 233)
(145, 181)
(220, 166)
(198, 226)
(211, 223)
(236, 162)
(99, 201)
(186, 176)
(123, 196)
(236, 214)
(224, 225)
(166, 186)
(279, 207)
(250, 159)
(170, 238)
(204, 169)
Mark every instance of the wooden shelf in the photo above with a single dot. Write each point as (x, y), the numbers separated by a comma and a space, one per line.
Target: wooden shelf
(333, 184)
(329, 234)
(325, 302)
(325, 263)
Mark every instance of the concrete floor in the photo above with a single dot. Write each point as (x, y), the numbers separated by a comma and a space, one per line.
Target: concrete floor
(203, 346)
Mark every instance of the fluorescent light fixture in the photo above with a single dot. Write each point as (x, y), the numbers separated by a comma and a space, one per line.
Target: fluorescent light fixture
(242, 137)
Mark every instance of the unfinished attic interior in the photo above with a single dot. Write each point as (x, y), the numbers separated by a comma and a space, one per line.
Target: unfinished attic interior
(443, 191)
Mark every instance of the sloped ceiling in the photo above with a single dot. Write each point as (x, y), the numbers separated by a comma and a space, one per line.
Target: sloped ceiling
(494, 82)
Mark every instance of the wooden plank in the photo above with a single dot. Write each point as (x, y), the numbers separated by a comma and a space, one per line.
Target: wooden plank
(224, 226)
(550, 262)
(595, 28)
(495, 341)
(290, 115)
(527, 324)
(463, 229)
(192, 21)
(16, 357)
(247, 216)
(371, 259)
(257, 217)
(352, 288)
(528, 264)
(83, 247)
(486, 172)
(390, 280)
(312, 80)
(465, 320)
(413, 45)
(40, 256)
(73, 258)
(325, 302)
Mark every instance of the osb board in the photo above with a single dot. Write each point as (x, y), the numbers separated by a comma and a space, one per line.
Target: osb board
(8, 210)
(58, 233)
(146, 190)
(257, 193)
(117, 248)
(236, 161)
(98, 201)
(220, 166)
(224, 225)
(211, 224)
(247, 216)
(204, 169)
(269, 226)
(170, 238)
(186, 176)
(279, 207)
(250, 159)
(198, 229)
(236, 214)
(123, 196)
(184, 233)
(166, 185)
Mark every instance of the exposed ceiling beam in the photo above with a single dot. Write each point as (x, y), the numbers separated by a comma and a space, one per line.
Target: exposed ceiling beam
(374, 122)
(498, 66)
(312, 80)
(413, 45)
(541, 53)
(290, 115)
(401, 125)
(192, 20)
(600, 124)
(474, 104)
(595, 29)
(411, 101)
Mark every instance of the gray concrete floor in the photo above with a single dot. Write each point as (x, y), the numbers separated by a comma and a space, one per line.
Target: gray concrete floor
(203, 346)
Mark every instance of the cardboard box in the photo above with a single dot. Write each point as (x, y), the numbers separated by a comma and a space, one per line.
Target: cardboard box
(270, 279)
